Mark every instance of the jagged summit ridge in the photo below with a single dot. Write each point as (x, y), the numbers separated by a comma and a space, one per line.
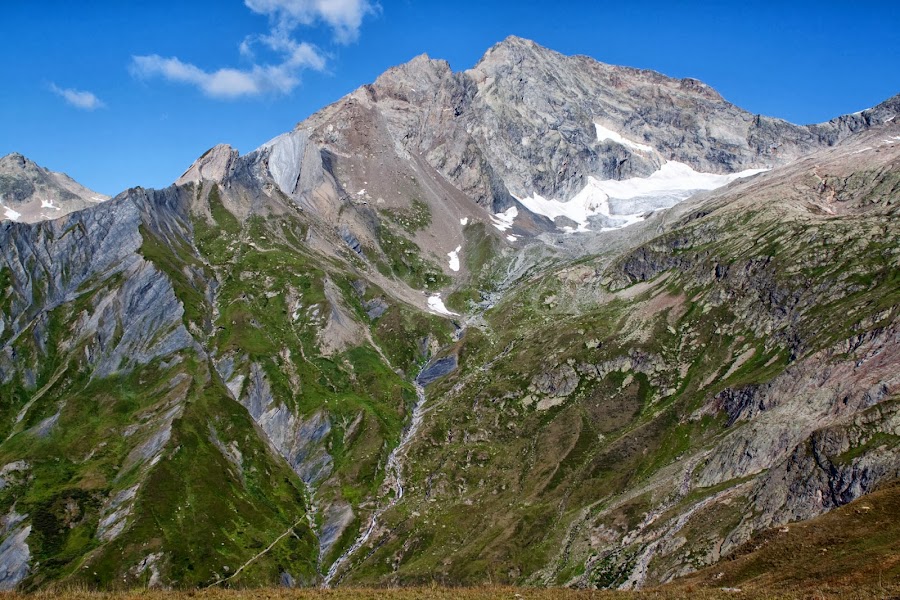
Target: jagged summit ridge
(529, 122)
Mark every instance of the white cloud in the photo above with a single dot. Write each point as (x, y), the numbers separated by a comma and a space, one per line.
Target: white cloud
(78, 98)
(344, 17)
(230, 83)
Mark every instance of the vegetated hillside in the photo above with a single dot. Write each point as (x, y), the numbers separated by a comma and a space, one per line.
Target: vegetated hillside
(626, 419)
(855, 546)
(221, 383)
(177, 380)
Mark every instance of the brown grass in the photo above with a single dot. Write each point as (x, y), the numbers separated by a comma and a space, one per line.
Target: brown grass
(472, 593)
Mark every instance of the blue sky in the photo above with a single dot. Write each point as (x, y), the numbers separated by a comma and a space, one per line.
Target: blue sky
(119, 94)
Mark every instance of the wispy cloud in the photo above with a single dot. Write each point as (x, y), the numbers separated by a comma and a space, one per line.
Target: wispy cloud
(343, 17)
(233, 83)
(77, 98)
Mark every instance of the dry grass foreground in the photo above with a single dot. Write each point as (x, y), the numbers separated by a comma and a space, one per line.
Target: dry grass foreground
(474, 593)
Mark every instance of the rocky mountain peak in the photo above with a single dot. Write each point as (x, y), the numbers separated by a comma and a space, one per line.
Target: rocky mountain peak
(514, 44)
(515, 53)
(214, 165)
(410, 81)
(14, 159)
(29, 192)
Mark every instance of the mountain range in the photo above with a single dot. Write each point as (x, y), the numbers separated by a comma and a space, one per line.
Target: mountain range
(546, 321)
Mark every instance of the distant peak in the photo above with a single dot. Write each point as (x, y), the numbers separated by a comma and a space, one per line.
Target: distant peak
(514, 47)
(420, 73)
(425, 62)
(514, 40)
(214, 165)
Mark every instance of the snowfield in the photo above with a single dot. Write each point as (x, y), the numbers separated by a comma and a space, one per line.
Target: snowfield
(12, 215)
(616, 204)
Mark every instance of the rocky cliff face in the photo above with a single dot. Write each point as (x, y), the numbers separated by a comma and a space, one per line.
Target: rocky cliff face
(526, 120)
(194, 375)
(30, 193)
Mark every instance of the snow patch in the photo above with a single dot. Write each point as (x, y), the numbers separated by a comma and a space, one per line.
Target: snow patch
(437, 305)
(454, 259)
(604, 134)
(464, 221)
(49, 204)
(361, 192)
(12, 215)
(623, 203)
(504, 220)
(512, 238)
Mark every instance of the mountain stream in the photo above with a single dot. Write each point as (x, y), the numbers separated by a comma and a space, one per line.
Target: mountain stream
(393, 479)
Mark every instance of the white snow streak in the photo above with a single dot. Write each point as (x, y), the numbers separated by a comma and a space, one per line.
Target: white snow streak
(12, 215)
(608, 134)
(504, 220)
(454, 259)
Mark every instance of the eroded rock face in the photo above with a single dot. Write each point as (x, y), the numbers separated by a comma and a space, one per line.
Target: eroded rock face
(59, 261)
(437, 369)
(298, 440)
(808, 396)
(559, 382)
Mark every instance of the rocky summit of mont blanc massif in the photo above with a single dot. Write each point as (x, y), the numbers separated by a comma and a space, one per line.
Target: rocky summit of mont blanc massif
(543, 322)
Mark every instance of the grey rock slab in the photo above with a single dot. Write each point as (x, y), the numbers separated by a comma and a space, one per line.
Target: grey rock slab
(14, 558)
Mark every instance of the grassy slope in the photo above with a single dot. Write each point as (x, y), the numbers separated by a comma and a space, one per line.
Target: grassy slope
(204, 511)
(866, 592)
(259, 264)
